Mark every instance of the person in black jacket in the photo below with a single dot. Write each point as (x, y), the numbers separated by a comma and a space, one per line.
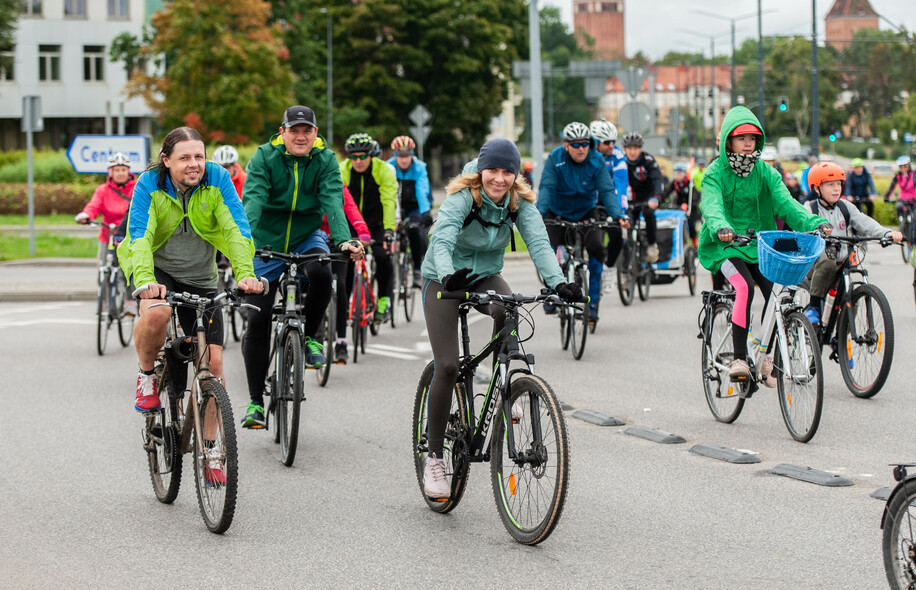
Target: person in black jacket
(860, 189)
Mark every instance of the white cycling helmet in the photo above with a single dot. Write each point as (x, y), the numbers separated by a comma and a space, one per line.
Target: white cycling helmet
(118, 159)
(225, 155)
(769, 154)
(602, 130)
(903, 161)
(576, 131)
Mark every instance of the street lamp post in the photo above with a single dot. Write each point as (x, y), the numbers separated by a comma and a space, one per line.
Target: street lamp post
(760, 107)
(815, 123)
(712, 86)
(330, 69)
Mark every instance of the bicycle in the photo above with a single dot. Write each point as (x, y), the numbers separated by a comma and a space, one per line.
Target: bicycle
(362, 307)
(285, 385)
(205, 426)
(234, 320)
(112, 297)
(898, 523)
(858, 326)
(905, 219)
(528, 456)
(405, 290)
(796, 362)
(575, 322)
(633, 272)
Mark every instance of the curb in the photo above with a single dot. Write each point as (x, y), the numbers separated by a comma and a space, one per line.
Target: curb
(49, 262)
(46, 296)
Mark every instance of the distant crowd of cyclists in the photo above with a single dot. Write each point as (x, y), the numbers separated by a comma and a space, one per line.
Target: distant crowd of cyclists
(295, 196)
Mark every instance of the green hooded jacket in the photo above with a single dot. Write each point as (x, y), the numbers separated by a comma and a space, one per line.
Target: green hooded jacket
(285, 197)
(739, 203)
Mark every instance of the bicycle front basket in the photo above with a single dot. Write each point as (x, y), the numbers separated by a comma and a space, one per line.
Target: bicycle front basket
(786, 256)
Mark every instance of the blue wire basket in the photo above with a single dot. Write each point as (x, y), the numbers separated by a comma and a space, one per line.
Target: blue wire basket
(784, 257)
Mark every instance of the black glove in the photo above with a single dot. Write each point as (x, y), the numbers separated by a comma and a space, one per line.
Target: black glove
(427, 219)
(570, 292)
(831, 250)
(389, 235)
(824, 227)
(460, 280)
(724, 232)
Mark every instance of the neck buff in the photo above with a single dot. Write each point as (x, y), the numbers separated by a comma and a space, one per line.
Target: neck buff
(742, 164)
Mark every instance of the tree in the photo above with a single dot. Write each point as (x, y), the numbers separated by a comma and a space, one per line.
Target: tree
(225, 71)
(9, 22)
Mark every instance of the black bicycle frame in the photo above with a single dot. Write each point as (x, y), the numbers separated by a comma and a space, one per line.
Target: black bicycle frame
(844, 284)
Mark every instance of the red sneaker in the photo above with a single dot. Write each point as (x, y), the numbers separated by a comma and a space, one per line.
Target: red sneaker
(147, 393)
(213, 471)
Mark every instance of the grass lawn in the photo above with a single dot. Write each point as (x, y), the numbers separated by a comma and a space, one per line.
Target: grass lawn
(60, 219)
(47, 245)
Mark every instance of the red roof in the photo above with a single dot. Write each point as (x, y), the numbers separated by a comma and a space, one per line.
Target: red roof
(679, 78)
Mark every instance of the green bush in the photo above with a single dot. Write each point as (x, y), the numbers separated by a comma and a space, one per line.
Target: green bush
(11, 157)
(885, 213)
(50, 199)
(49, 167)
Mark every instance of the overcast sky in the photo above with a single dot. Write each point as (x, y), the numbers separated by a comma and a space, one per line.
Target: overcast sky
(653, 26)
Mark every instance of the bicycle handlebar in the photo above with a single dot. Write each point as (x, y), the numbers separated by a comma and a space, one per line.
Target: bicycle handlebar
(511, 301)
(94, 223)
(266, 254)
(581, 225)
(885, 241)
(185, 299)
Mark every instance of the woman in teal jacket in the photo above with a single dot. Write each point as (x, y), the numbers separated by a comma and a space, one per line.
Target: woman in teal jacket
(740, 192)
(470, 256)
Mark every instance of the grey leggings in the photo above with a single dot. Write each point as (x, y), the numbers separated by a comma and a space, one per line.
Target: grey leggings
(441, 321)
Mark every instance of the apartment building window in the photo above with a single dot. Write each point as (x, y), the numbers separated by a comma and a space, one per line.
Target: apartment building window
(7, 57)
(118, 8)
(93, 63)
(31, 7)
(75, 8)
(49, 63)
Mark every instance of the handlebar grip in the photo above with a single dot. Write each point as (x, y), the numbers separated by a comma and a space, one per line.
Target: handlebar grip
(265, 283)
(452, 295)
(139, 290)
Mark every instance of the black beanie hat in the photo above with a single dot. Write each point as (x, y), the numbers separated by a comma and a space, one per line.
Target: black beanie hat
(499, 153)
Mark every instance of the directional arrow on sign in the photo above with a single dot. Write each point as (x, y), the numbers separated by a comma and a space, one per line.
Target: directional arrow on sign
(89, 153)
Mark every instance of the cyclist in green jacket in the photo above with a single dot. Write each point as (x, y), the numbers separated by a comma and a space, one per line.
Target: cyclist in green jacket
(182, 212)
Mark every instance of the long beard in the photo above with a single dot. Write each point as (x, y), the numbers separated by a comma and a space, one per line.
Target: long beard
(742, 164)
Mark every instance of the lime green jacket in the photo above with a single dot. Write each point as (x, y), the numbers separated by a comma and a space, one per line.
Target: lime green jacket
(215, 213)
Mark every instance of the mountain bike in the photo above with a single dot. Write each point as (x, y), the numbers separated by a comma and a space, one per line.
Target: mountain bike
(405, 291)
(529, 455)
(575, 323)
(285, 384)
(633, 272)
(858, 326)
(204, 426)
(905, 220)
(112, 297)
(898, 521)
(362, 306)
(796, 360)
(327, 335)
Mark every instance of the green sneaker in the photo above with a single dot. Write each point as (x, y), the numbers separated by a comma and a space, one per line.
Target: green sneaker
(254, 419)
(381, 310)
(314, 354)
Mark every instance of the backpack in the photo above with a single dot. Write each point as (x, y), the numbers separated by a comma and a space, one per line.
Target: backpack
(474, 215)
(814, 203)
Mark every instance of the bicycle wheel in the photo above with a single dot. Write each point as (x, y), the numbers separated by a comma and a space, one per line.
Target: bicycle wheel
(238, 320)
(722, 395)
(289, 397)
(530, 491)
(161, 441)
(397, 290)
(578, 320)
(644, 280)
(866, 361)
(898, 541)
(102, 310)
(216, 465)
(356, 317)
(801, 384)
(690, 270)
(626, 279)
(410, 294)
(125, 319)
(454, 449)
(330, 337)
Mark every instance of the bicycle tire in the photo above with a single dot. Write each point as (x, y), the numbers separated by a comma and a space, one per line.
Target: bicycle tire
(330, 335)
(125, 320)
(102, 311)
(238, 321)
(722, 396)
(626, 281)
(455, 452)
(530, 497)
(216, 502)
(396, 290)
(644, 273)
(801, 399)
(163, 456)
(563, 315)
(578, 321)
(289, 396)
(410, 297)
(356, 318)
(865, 364)
(898, 540)
(690, 270)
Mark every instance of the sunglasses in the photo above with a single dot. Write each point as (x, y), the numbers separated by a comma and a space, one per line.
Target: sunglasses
(358, 156)
(578, 144)
(608, 142)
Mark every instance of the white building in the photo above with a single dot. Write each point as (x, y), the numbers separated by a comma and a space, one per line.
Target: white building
(61, 55)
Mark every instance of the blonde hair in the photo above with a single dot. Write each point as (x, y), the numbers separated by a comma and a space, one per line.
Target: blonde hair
(474, 182)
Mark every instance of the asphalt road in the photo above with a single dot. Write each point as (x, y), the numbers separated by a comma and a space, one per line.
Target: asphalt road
(78, 510)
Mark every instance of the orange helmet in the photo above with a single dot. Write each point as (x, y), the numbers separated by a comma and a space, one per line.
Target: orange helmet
(529, 165)
(402, 143)
(823, 172)
(745, 128)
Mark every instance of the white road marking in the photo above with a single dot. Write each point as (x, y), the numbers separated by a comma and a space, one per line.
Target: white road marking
(39, 321)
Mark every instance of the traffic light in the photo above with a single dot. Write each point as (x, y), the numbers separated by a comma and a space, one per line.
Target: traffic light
(833, 136)
(783, 104)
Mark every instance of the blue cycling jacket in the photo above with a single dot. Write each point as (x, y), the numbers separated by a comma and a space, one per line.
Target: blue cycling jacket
(617, 167)
(413, 187)
(571, 190)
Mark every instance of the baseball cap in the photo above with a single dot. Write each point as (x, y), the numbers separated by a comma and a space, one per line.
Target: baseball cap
(298, 115)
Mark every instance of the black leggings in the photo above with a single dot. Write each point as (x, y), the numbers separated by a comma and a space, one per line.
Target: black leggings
(614, 244)
(441, 320)
(384, 267)
(256, 341)
(344, 271)
(594, 239)
(649, 215)
(417, 238)
(742, 275)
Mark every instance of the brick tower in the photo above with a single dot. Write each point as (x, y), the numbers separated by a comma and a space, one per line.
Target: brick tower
(603, 21)
(845, 18)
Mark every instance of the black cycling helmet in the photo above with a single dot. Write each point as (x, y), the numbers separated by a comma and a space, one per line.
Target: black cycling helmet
(359, 142)
(632, 139)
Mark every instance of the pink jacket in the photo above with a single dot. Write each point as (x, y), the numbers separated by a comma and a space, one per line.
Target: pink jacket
(109, 204)
(353, 216)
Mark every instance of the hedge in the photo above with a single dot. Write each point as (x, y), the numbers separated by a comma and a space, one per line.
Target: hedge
(49, 198)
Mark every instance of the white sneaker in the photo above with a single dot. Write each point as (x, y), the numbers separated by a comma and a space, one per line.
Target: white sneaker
(652, 253)
(609, 280)
(435, 484)
(766, 372)
(517, 412)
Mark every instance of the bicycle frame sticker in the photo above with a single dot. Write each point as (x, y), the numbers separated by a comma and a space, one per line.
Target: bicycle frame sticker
(853, 258)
